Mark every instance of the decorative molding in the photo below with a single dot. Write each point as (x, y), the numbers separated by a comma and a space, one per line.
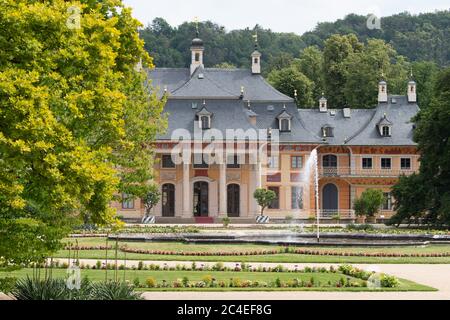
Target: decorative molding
(233, 176)
(168, 176)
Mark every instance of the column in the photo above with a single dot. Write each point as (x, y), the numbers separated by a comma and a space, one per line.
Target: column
(187, 212)
(254, 183)
(222, 189)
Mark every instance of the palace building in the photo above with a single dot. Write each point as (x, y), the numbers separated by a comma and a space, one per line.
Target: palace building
(356, 149)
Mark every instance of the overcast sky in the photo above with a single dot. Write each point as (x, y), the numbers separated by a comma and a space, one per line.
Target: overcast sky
(279, 15)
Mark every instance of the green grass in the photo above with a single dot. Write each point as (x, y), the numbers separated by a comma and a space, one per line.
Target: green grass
(169, 276)
(282, 257)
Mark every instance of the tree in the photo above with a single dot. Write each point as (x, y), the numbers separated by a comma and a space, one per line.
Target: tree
(369, 203)
(404, 191)
(336, 50)
(151, 199)
(74, 126)
(290, 79)
(225, 65)
(264, 198)
(424, 73)
(310, 64)
(364, 69)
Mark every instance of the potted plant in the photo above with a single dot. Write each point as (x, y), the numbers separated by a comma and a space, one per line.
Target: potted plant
(288, 219)
(367, 205)
(150, 200)
(264, 198)
(226, 221)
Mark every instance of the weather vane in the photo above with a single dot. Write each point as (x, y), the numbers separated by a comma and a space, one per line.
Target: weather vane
(255, 36)
(196, 25)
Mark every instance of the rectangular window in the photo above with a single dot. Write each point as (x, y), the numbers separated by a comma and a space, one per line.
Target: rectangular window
(405, 163)
(387, 204)
(367, 163)
(296, 162)
(297, 198)
(276, 202)
(199, 161)
(385, 163)
(127, 201)
(233, 162)
(167, 162)
(273, 162)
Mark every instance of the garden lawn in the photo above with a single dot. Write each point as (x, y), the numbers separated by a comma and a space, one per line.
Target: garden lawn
(170, 276)
(282, 257)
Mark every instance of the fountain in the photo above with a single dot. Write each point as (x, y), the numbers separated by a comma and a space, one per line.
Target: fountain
(312, 166)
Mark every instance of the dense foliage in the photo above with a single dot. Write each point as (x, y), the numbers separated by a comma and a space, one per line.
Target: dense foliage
(423, 37)
(369, 203)
(426, 196)
(74, 119)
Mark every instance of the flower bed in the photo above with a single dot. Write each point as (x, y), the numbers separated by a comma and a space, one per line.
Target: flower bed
(265, 252)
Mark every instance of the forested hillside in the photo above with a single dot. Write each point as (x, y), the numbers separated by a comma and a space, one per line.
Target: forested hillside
(343, 59)
(417, 37)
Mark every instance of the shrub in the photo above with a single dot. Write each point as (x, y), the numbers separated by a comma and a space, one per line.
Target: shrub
(360, 227)
(140, 265)
(387, 281)
(113, 290)
(185, 282)
(236, 282)
(36, 289)
(177, 283)
(218, 266)
(278, 283)
(136, 282)
(150, 282)
(226, 221)
(207, 279)
(7, 284)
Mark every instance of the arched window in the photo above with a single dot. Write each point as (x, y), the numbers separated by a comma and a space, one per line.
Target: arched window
(256, 60)
(197, 57)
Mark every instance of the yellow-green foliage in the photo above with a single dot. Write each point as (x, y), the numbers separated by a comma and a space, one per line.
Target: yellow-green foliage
(73, 109)
(150, 282)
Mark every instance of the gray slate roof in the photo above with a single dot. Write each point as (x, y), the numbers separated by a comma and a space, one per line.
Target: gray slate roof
(221, 89)
(216, 84)
(362, 127)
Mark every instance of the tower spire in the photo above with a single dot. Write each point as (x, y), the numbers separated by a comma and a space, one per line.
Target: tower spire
(256, 56)
(197, 50)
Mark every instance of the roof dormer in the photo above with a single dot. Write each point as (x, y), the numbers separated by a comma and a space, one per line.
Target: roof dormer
(204, 118)
(385, 127)
(327, 131)
(284, 121)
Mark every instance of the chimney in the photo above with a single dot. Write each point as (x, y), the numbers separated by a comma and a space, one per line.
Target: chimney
(382, 92)
(412, 94)
(323, 104)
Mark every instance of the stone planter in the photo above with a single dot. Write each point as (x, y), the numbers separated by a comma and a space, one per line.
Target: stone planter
(361, 219)
(371, 219)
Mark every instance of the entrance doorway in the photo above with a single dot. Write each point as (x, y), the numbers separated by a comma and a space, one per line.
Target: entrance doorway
(330, 197)
(168, 200)
(233, 200)
(201, 199)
